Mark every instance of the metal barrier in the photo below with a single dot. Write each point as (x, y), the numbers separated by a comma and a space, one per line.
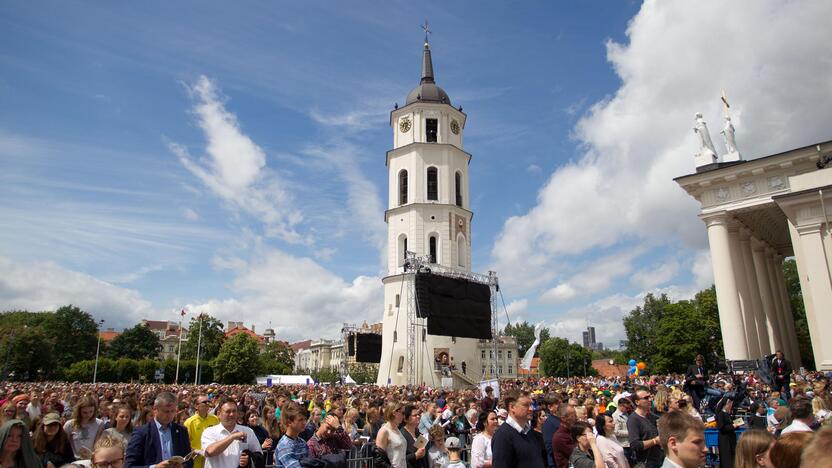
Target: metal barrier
(354, 460)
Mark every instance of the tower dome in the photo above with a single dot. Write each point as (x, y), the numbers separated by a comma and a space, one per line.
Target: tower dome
(427, 91)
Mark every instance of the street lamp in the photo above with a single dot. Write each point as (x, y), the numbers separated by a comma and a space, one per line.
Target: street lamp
(97, 349)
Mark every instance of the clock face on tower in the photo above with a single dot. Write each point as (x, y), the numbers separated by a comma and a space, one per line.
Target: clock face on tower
(404, 124)
(455, 127)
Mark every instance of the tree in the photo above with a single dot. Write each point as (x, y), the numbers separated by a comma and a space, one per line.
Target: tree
(24, 350)
(667, 335)
(75, 333)
(641, 326)
(277, 358)
(237, 361)
(364, 373)
(560, 358)
(801, 325)
(524, 334)
(212, 339)
(138, 342)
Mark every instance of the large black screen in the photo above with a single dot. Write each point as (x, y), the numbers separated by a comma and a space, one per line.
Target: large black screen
(454, 306)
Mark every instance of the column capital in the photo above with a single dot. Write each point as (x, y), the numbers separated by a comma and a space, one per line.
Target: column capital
(809, 229)
(757, 245)
(745, 234)
(719, 218)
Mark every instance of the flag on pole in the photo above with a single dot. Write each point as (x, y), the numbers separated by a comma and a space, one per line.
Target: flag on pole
(526, 363)
(183, 313)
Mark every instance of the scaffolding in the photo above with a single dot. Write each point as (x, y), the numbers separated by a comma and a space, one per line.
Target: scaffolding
(416, 326)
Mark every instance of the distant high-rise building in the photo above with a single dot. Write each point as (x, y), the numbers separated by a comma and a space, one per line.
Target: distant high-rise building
(589, 338)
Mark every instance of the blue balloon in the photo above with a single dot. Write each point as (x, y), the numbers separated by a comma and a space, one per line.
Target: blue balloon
(632, 362)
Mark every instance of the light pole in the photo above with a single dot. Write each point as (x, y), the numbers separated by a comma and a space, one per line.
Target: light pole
(97, 350)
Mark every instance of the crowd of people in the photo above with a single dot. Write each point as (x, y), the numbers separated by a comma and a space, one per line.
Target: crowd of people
(650, 421)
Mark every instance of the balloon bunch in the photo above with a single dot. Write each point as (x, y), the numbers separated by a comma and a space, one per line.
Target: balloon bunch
(636, 369)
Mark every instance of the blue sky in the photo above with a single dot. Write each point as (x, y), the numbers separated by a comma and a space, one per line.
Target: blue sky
(229, 158)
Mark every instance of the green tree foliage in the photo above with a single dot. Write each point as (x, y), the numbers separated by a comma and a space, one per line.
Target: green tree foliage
(212, 338)
(524, 334)
(329, 376)
(25, 355)
(641, 326)
(238, 360)
(138, 342)
(560, 358)
(801, 326)
(364, 373)
(75, 333)
(668, 335)
(277, 358)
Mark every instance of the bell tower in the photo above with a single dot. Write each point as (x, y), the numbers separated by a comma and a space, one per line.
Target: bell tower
(429, 215)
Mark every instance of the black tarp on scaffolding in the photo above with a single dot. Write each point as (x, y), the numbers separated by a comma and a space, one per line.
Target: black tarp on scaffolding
(454, 306)
(368, 347)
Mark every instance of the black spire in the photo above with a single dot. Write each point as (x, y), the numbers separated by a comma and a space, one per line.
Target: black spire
(427, 66)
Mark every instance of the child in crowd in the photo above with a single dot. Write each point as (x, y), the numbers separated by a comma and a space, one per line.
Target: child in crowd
(453, 446)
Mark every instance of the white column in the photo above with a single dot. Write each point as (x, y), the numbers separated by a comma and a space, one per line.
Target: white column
(758, 255)
(756, 302)
(785, 345)
(780, 281)
(815, 266)
(730, 314)
(748, 319)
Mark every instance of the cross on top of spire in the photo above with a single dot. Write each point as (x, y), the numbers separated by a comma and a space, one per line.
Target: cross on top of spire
(427, 31)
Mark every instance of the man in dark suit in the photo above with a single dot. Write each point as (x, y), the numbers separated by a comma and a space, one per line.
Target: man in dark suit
(781, 374)
(515, 444)
(696, 378)
(153, 444)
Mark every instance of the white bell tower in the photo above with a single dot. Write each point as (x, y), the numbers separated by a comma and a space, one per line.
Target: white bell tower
(428, 214)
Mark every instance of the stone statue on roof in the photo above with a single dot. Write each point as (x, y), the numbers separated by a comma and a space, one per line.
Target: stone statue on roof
(707, 152)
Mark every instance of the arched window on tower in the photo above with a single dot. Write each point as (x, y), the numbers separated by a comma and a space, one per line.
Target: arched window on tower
(458, 188)
(402, 254)
(432, 249)
(402, 187)
(433, 183)
(460, 250)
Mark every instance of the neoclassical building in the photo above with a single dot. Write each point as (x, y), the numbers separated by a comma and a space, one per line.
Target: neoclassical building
(757, 213)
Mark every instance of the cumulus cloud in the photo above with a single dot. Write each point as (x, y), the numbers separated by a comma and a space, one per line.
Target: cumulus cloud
(46, 286)
(619, 190)
(299, 297)
(648, 278)
(234, 166)
(596, 277)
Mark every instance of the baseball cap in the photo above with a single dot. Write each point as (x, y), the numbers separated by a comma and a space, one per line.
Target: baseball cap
(51, 418)
(452, 443)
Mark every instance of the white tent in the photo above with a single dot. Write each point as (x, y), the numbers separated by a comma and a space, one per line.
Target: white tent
(285, 380)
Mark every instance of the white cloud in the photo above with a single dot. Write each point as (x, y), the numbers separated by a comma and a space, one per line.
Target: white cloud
(516, 310)
(190, 214)
(648, 278)
(619, 191)
(363, 201)
(234, 167)
(703, 272)
(44, 286)
(298, 296)
(534, 169)
(561, 293)
(596, 277)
